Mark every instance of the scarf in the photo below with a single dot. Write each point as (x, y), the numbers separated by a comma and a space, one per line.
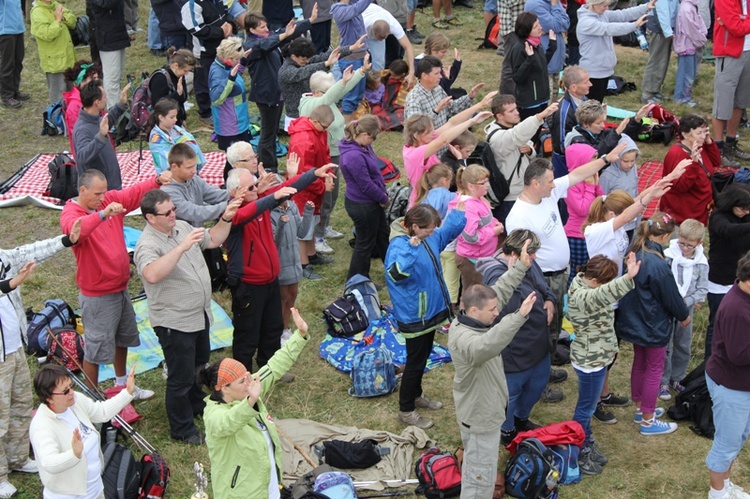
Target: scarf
(534, 40)
(687, 264)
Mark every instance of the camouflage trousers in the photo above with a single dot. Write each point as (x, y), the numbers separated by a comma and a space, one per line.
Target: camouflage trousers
(15, 412)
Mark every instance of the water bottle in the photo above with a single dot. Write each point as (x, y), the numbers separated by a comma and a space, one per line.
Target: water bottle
(641, 39)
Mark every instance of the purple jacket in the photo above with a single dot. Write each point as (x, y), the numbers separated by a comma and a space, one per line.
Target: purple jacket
(359, 165)
(348, 18)
(690, 29)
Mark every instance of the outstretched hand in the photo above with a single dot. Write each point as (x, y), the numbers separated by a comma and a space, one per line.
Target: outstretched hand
(527, 304)
(633, 266)
(299, 322)
(75, 231)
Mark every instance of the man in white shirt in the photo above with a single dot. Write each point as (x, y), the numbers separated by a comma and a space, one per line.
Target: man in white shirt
(379, 23)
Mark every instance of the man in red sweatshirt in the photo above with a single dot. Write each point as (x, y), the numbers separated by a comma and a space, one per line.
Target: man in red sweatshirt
(104, 269)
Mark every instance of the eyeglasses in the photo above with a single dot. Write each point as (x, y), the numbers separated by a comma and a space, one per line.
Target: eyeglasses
(686, 245)
(65, 392)
(483, 183)
(324, 127)
(252, 188)
(247, 160)
(169, 212)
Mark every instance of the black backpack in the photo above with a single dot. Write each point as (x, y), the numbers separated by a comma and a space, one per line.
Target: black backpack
(80, 34)
(121, 472)
(217, 268)
(398, 200)
(63, 173)
(499, 185)
(345, 317)
(694, 403)
(125, 129)
(351, 455)
(531, 473)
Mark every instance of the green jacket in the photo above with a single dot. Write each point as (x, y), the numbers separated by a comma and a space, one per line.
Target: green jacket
(237, 448)
(593, 318)
(56, 52)
(480, 391)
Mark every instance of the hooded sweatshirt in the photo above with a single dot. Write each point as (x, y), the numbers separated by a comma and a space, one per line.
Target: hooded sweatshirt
(359, 166)
(614, 177)
(311, 146)
(581, 195)
(690, 30)
(691, 274)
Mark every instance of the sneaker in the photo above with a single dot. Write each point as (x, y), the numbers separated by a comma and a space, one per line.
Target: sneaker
(660, 96)
(413, 39)
(13, 104)
(507, 436)
(416, 32)
(664, 392)
(164, 370)
(321, 259)
(332, 234)
(676, 386)
(194, 439)
(587, 465)
(638, 418)
(725, 159)
(557, 375)
(613, 400)
(425, 403)
(287, 377)
(206, 122)
(414, 419)
(596, 455)
(440, 24)
(525, 424)
(603, 415)
(454, 21)
(322, 247)
(159, 52)
(29, 467)
(650, 99)
(733, 491)
(734, 150)
(7, 490)
(552, 395)
(141, 394)
(656, 427)
(22, 96)
(309, 273)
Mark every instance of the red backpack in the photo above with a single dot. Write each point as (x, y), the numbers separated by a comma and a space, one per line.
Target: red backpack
(438, 474)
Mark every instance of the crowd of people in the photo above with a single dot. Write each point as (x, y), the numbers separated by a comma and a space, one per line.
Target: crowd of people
(488, 254)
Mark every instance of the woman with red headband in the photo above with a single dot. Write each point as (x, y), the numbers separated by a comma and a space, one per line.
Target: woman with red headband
(242, 440)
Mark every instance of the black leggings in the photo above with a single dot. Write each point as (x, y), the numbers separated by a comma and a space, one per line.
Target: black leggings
(598, 88)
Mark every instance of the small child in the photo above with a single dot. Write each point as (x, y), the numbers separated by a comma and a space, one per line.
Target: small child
(623, 175)
(437, 45)
(458, 151)
(690, 270)
(374, 88)
(288, 226)
(433, 188)
(689, 38)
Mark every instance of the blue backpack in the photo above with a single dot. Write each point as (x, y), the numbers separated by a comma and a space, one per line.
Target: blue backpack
(373, 373)
(531, 473)
(366, 293)
(54, 120)
(336, 485)
(55, 314)
(566, 461)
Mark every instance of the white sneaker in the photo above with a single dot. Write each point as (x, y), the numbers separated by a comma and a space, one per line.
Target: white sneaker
(736, 492)
(142, 394)
(29, 467)
(7, 490)
(332, 234)
(321, 246)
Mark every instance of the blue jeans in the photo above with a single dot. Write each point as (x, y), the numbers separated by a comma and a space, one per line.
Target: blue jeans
(178, 41)
(377, 53)
(525, 388)
(354, 97)
(155, 40)
(687, 67)
(589, 388)
(732, 422)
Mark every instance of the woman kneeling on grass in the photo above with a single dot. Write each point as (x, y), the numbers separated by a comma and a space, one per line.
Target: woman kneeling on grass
(594, 346)
(242, 440)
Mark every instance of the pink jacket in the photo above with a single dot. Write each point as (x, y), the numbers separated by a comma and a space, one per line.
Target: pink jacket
(580, 196)
(690, 30)
(478, 239)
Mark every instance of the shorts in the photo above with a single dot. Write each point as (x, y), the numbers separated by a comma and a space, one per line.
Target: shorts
(731, 85)
(411, 5)
(490, 6)
(310, 234)
(107, 318)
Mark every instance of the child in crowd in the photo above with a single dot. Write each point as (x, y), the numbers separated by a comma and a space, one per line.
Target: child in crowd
(690, 270)
(288, 226)
(165, 133)
(623, 175)
(374, 88)
(437, 44)
(433, 188)
(689, 40)
(458, 151)
(390, 111)
(594, 348)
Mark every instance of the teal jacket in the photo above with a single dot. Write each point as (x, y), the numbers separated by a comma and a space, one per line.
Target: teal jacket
(56, 52)
(237, 448)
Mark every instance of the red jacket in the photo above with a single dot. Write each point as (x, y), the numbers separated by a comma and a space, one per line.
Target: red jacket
(312, 148)
(729, 35)
(692, 195)
(103, 261)
(566, 432)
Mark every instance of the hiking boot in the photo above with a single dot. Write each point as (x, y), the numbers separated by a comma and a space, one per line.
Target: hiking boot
(557, 375)
(440, 24)
(725, 159)
(453, 21)
(507, 436)
(650, 99)
(320, 259)
(416, 32)
(656, 427)
(22, 96)
(664, 392)
(206, 122)
(322, 247)
(287, 377)
(587, 465)
(603, 415)
(734, 150)
(13, 104)
(309, 273)
(414, 419)
(613, 400)
(552, 395)
(7, 490)
(413, 39)
(29, 467)
(194, 439)
(638, 418)
(596, 455)
(332, 234)
(425, 403)
(525, 424)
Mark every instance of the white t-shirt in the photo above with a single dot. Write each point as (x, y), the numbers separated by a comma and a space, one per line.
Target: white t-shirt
(746, 47)
(273, 483)
(10, 325)
(90, 437)
(544, 220)
(375, 13)
(603, 239)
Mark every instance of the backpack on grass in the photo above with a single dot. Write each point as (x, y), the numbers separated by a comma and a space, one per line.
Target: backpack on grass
(531, 472)
(694, 403)
(373, 373)
(566, 461)
(345, 317)
(53, 120)
(366, 293)
(438, 473)
(491, 34)
(63, 343)
(55, 314)
(121, 472)
(63, 173)
(336, 485)
(154, 476)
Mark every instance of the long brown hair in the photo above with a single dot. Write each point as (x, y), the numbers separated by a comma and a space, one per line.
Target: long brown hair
(368, 124)
(659, 224)
(616, 201)
(430, 178)
(601, 268)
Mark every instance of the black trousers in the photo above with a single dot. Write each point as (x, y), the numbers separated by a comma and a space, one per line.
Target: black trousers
(417, 352)
(257, 322)
(269, 127)
(598, 88)
(372, 235)
(320, 34)
(11, 64)
(200, 87)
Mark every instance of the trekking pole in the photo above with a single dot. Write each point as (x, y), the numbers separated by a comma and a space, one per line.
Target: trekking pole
(296, 447)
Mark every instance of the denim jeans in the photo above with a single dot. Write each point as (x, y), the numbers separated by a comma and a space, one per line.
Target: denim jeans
(732, 422)
(714, 300)
(589, 388)
(177, 41)
(372, 235)
(678, 352)
(354, 96)
(155, 40)
(687, 67)
(525, 388)
(377, 53)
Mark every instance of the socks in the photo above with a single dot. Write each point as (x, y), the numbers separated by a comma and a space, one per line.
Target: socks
(730, 140)
(121, 380)
(718, 494)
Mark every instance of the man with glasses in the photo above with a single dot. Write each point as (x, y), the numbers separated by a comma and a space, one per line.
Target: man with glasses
(175, 276)
(103, 271)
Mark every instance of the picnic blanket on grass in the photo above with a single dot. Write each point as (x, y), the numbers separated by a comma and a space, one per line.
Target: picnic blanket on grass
(29, 183)
(340, 352)
(148, 354)
(648, 174)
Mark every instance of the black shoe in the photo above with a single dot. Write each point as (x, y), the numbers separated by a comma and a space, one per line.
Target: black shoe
(417, 33)
(596, 455)
(587, 465)
(525, 424)
(158, 52)
(194, 439)
(552, 395)
(506, 437)
(319, 259)
(12, 103)
(731, 149)
(557, 375)
(613, 400)
(413, 38)
(463, 3)
(22, 96)
(604, 416)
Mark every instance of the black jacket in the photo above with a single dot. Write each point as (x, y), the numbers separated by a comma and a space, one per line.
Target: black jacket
(169, 14)
(607, 139)
(530, 73)
(203, 20)
(730, 240)
(160, 88)
(563, 121)
(109, 18)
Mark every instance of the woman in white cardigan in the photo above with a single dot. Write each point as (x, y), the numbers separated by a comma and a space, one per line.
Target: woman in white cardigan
(66, 444)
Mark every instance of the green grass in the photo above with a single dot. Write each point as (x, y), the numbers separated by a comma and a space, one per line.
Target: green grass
(639, 467)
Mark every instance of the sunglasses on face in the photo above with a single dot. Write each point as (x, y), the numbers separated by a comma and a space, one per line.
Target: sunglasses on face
(65, 392)
(165, 214)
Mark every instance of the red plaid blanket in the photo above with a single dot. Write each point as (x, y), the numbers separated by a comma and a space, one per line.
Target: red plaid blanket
(648, 173)
(32, 186)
